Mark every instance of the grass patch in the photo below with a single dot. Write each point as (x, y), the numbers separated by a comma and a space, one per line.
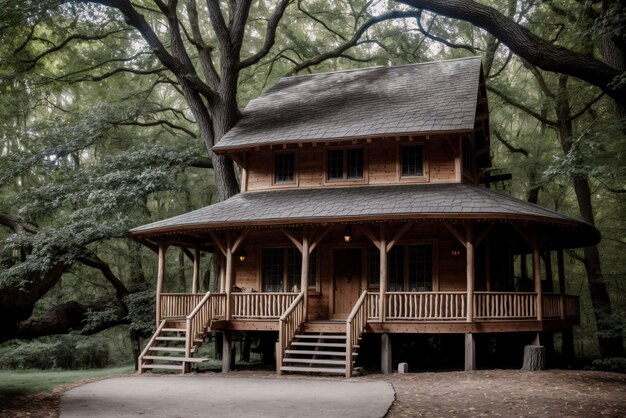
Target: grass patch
(16, 383)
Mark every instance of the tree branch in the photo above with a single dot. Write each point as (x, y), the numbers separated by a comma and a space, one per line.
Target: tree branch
(508, 145)
(520, 106)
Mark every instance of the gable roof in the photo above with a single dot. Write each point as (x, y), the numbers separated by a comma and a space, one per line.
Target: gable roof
(380, 101)
(372, 203)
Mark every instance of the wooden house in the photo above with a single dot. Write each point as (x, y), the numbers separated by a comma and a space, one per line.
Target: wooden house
(362, 211)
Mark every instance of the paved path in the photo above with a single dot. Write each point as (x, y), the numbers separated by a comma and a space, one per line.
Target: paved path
(216, 396)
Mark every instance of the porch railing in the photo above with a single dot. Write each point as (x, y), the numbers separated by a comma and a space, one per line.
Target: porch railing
(551, 305)
(505, 305)
(197, 321)
(179, 304)
(218, 305)
(288, 324)
(572, 306)
(261, 305)
(426, 305)
(372, 306)
(355, 324)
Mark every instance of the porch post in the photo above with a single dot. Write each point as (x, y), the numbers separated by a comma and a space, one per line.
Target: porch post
(160, 279)
(304, 278)
(537, 279)
(470, 352)
(229, 273)
(561, 273)
(382, 300)
(469, 237)
(196, 271)
(385, 354)
(222, 272)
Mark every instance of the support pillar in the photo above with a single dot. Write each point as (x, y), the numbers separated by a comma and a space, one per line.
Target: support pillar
(385, 354)
(470, 352)
(304, 278)
(160, 280)
(227, 345)
(229, 274)
(537, 280)
(561, 275)
(382, 300)
(196, 271)
(469, 244)
(536, 339)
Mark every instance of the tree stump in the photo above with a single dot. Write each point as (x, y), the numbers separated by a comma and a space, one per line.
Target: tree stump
(534, 358)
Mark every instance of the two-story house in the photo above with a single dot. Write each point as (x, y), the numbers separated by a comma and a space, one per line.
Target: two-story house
(361, 211)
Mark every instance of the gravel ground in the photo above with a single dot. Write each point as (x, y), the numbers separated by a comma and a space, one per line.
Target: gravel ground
(510, 393)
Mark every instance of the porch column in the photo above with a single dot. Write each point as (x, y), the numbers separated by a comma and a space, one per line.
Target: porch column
(304, 278)
(561, 273)
(226, 351)
(537, 279)
(382, 300)
(228, 277)
(469, 245)
(470, 352)
(385, 354)
(222, 272)
(160, 279)
(196, 271)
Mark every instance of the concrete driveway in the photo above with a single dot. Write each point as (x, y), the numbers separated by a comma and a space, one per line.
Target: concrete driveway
(218, 396)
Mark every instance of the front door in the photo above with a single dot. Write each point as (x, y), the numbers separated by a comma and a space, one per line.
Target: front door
(347, 274)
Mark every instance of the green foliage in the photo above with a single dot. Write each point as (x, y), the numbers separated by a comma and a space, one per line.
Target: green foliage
(141, 308)
(615, 364)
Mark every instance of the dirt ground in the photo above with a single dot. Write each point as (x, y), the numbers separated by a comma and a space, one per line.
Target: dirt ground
(510, 393)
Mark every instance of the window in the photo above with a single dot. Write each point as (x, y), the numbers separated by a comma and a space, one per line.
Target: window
(282, 268)
(344, 164)
(284, 167)
(412, 160)
(409, 268)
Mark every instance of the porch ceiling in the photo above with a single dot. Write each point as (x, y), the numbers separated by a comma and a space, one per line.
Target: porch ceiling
(430, 202)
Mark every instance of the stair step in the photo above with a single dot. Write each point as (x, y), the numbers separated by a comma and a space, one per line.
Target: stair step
(174, 330)
(172, 349)
(321, 337)
(316, 344)
(170, 338)
(318, 353)
(173, 358)
(162, 366)
(313, 361)
(312, 369)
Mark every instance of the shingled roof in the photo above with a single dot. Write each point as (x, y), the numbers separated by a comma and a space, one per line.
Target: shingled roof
(373, 203)
(418, 98)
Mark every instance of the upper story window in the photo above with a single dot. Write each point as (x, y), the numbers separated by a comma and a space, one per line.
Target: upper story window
(284, 167)
(409, 268)
(344, 164)
(412, 160)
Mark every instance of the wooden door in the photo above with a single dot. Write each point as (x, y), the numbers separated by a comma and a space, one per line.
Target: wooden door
(347, 278)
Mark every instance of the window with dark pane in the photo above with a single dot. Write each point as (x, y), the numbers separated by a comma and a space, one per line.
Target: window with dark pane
(273, 269)
(284, 167)
(420, 268)
(412, 160)
(355, 163)
(395, 269)
(313, 269)
(334, 160)
(374, 262)
(294, 268)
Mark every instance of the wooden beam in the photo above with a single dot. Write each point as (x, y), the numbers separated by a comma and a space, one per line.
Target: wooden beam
(525, 235)
(292, 237)
(456, 233)
(239, 240)
(469, 233)
(219, 242)
(154, 247)
(368, 233)
(399, 235)
(315, 242)
(561, 274)
(385, 354)
(470, 352)
(382, 302)
(483, 235)
(229, 274)
(304, 278)
(196, 271)
(537, 280)
(160, 280)
(188, 253)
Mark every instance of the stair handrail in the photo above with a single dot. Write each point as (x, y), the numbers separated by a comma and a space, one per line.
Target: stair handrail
(197, 319)
(355, 324)
(288, 324)
(149, 345)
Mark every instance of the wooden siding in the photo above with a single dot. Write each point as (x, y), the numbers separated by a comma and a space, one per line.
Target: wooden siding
(381, 165)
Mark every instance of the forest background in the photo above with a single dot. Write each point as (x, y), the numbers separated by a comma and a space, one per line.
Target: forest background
(108, 110)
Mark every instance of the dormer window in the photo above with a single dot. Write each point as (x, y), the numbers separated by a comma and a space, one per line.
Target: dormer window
(344, 164)
(284, 167)
(412, 161)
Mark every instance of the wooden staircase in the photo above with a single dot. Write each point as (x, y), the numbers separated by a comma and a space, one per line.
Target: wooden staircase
(166, 350)
(318, 352)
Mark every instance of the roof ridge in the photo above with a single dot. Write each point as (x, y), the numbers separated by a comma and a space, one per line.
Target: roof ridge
(377, 67)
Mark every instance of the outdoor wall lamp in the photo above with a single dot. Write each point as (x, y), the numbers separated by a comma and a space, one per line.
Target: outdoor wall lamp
(242, 257)
(347, 235)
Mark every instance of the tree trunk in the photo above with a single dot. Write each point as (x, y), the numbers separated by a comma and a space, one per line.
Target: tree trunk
(608, 326)
(534, 358)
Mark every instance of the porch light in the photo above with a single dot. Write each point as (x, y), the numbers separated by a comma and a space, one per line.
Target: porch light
(242, 256)
(347, 236)
(455, 252)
